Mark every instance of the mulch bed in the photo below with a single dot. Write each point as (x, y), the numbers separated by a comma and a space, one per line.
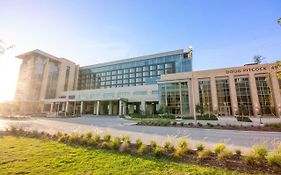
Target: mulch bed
(225, 127)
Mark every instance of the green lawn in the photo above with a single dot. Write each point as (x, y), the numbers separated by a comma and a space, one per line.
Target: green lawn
(32, 156)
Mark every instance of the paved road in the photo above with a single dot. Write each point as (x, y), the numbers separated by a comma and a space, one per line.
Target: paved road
(118, 127)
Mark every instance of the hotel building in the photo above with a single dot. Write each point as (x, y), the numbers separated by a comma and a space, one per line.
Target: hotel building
(145, 84)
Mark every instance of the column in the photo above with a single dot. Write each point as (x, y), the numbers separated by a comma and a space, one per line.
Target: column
(74, 111)
(52, 106)
(193, 95)
(98, 107)
(254, 94)
(214, 94)
(124, 108)
(110, 108)
(276, 93)
(66, 108)
(63, 106)
(233, 95)
(81, 108)
(142, 107)
(180, 98)
(120, 107)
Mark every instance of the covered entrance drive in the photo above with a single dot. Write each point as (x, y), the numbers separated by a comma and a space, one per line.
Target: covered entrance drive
(105, 107)
(100, 107)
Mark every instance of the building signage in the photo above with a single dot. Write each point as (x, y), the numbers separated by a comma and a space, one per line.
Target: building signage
(254, 69)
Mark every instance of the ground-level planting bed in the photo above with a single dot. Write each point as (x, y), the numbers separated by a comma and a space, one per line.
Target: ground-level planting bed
(33, 156)
(274, 127)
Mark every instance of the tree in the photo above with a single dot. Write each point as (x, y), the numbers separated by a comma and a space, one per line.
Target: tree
(258, 59)
(279, 21)
(4, 47)
(199, 109)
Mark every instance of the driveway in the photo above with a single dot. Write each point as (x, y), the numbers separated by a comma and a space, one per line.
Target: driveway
(118, 127)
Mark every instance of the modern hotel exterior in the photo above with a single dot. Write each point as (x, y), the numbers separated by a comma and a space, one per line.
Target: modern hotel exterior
(145, 84)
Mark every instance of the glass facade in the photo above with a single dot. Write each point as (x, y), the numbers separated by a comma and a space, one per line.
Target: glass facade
(223, 96)
(132, 73)
(66, 78)
(243, 93)
(205, 95)
(52, 80)
(265, 95)
(37, 76)
(175, 97)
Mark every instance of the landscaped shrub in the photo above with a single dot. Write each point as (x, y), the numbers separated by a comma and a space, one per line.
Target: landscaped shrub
(88, 135)
(138, 143)
(107, 137)
(238, 152)
(157, 151)
(153, 144)
(168, 147)
(64, 138)
(142, 149)
(116, 142)
(124, 147)
(274, 158)
(219, 148)
(257, 154)
(126, 139)
(204, 154)
(182, 148)
(97, 138)
(273, 125)
(105, 144)
(200, 147)
(174, 123)
(206, 117)
(74, 138)
(225, 154)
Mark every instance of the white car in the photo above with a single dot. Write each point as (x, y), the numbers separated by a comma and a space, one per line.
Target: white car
(178, 117)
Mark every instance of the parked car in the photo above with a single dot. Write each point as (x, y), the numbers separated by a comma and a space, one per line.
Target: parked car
(178, 117)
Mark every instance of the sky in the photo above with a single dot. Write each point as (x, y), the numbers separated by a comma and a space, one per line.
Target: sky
(223, 33)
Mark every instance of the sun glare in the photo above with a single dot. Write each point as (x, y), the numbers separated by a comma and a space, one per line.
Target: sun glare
(8, 77)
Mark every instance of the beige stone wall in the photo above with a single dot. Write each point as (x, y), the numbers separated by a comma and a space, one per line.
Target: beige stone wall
(250, 71)
(22, 97)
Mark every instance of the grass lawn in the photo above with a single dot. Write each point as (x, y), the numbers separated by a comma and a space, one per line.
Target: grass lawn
(32, 156)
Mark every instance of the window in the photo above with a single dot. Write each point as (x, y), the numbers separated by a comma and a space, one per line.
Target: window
(138, 69)
(265, 95)
(140, 93)
(66, 80)
(243, 94)
(145, 74)
(126, 71)
(223, 95)
(205, 95)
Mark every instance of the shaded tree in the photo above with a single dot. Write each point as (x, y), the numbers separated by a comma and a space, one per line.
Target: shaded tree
(258, 59)
(4, 47)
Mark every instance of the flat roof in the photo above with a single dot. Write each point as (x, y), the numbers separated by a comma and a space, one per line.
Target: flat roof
(145, 57)
(40, 52)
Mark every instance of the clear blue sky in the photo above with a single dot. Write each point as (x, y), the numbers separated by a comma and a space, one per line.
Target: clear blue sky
(222, 32)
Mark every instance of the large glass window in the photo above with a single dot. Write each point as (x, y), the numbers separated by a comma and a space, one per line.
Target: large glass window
(265, 95)
(153, 66)
(66, 78)
(205, 95)
(243, 96)
(52, 81)
(223, 95)
(174, 97)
